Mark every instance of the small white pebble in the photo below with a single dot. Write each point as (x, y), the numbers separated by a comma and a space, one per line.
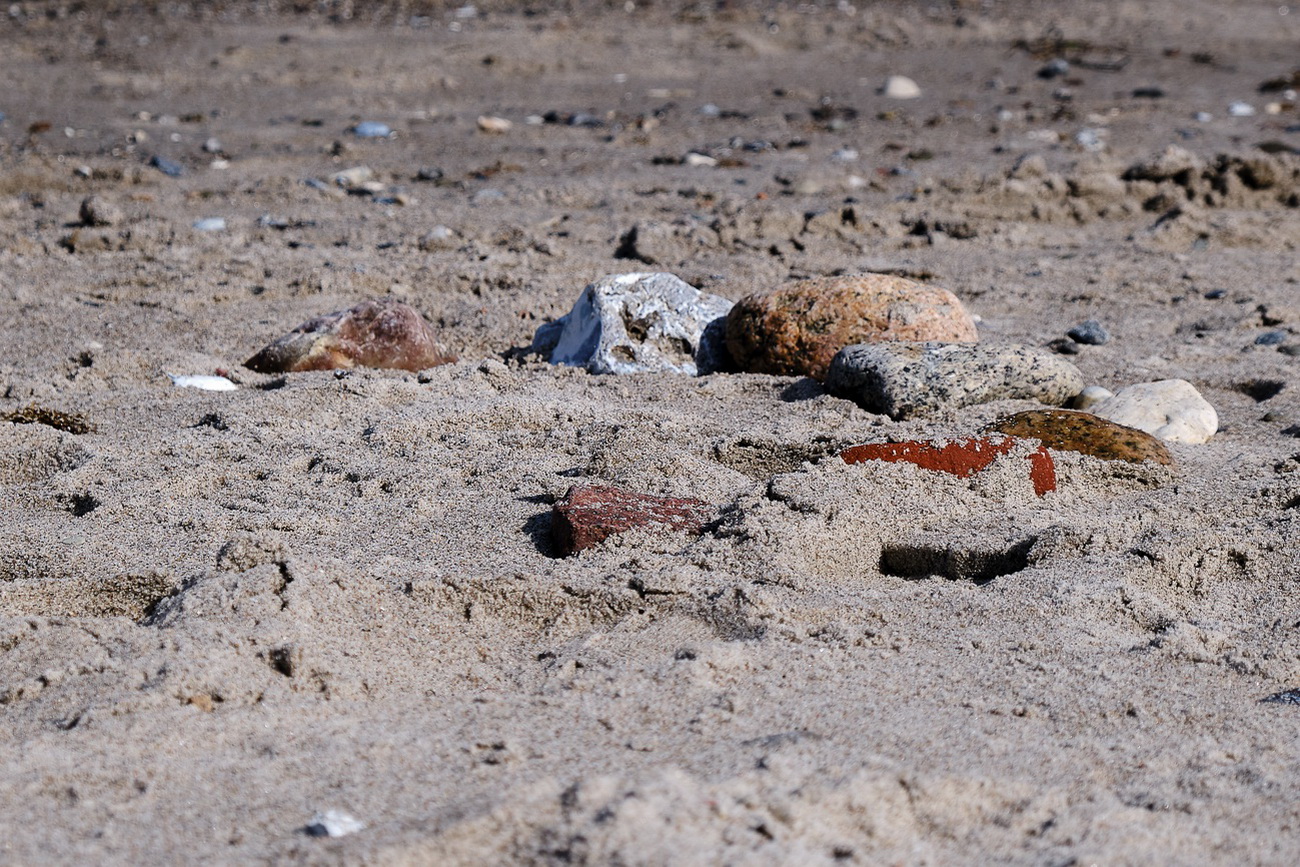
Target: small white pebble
(201, 381)
(334, 823)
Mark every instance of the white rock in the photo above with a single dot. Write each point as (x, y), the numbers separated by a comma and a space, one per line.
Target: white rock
(900, 87)
(334, 823)
(700, 160)
(353, 176)
(210, 224)
(638, 323)
(1171, 409)
(1241, 109)
(494, 125)
(206, 383)
(1090, 397)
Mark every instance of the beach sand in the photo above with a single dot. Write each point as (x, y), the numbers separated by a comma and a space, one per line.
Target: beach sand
(223, 613)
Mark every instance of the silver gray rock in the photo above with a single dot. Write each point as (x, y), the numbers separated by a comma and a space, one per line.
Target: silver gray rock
(638, 323)
(902, 380)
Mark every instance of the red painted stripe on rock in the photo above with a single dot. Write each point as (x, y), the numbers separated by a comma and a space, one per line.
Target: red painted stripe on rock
(961, 458)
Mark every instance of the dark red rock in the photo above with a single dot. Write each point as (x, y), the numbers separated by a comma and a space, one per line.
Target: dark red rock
(589, 514)
(380, 332)
(961, 458)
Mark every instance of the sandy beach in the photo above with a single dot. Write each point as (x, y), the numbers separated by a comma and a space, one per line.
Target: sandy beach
(321, 617)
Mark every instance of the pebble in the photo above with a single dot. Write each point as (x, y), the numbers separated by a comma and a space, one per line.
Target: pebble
(797, 329)
(962, 458)
(372, 129)
(903, 380)
(1055, 69)
(1241, 109)
(637, 323)
(98, 211)
(590, 514)
(1171, 409)
(333, 823)
(353, 177)
(1090, 332)
(167, 167)
(493, 125)
(1082, 432)
(900, 87)
(1270, 338)
(380, 332)
(1090, 397)
(210, 224)
(212, 146)
(202, 382)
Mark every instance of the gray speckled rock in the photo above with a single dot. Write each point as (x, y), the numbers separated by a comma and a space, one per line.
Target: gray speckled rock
(903, 380)
(638, 323)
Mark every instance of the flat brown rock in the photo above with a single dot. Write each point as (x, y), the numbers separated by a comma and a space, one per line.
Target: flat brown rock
(380, 332)
(589, 514)
(1085, 433)
(797, 329)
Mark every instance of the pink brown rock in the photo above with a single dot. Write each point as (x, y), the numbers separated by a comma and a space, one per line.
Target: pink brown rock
(962, 458)
(380, 332)
(797, 329)
(589, 514)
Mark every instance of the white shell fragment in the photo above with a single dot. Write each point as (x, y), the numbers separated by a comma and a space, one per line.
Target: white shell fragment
(637, 323)
(333, 823)
(201, 381)
(1171, 409)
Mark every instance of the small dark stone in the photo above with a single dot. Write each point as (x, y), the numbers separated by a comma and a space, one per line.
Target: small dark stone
(1292, 431)
(1148, 93)
(167, 167)
(1055, 69)
(1063, 346)
(1270, 338)
(1091, 333)
(1216, 294)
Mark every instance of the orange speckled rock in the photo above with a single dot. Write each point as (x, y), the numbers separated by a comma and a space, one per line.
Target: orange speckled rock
(797, 329)
(589, 514)
(380, 332)
(961, 458)
(1085, 433)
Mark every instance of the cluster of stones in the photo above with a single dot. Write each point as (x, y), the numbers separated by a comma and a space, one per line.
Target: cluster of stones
(894, 346)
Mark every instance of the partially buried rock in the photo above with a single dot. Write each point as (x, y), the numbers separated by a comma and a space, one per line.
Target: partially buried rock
(1171, 409)
(962, 458)
(903, 380)
(637, 323)
(1085, 433)
(590, 514)
(797, 329)
(98, 211)
(380, 332)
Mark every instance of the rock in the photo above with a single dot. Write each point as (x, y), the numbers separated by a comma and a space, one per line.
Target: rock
(167, 167)
(1171, 409)
(333, 823)
(636, 323)
(210, 224)
(380, 332)
(1090, 333)
(98, 211)
(797, 329)
(900, 87)
(372, 129)
(1090, 397)
(962, 458)
(589, 514)
(212, 146)
(494, 125)
(1082, 432)
(903, 380)
(1054, 69)
(1271, 338)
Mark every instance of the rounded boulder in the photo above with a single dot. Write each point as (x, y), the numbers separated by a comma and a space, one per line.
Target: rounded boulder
(797, 329)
